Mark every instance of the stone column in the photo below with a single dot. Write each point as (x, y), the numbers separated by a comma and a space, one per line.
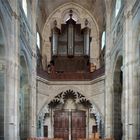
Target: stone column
(12, 76)
(33, 122)
(108, 79)
(138, 98)
(129, 102)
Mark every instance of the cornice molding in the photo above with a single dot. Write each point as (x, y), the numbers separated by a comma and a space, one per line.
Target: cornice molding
(101, 78)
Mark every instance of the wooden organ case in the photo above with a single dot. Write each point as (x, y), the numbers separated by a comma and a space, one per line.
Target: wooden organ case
(70, 47)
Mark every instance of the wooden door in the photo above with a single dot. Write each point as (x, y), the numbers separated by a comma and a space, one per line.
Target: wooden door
(78, 127)
(61, 124)
(94, 129)
(45, 131)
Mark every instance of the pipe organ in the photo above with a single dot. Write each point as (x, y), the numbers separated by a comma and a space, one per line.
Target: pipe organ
(70, 45)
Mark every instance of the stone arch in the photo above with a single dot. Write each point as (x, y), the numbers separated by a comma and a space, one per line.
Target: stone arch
(117, 98)
(59, 101)
(24, 98)
(82, 14)
(63, 9)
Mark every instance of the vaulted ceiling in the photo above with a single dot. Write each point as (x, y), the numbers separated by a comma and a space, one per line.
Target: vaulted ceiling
(95, 7)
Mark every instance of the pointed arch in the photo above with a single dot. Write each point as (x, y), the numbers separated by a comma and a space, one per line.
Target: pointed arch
(59, 102)
(59, 14)
(117, 98)
(24, 98)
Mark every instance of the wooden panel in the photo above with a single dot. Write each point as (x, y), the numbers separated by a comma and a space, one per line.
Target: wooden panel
(61, 124)
(78, 125)
(74, 64)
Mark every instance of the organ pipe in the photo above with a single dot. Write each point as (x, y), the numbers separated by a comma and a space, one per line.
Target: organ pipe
(86, 32)
(71, 23)
(86, 41)
(70, 39)
(55, 34)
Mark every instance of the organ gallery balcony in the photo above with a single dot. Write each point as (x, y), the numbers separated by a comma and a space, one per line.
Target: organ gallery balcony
(70, 53)
(71, 76)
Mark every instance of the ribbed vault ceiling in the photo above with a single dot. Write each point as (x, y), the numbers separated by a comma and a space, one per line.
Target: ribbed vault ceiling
(95, 7)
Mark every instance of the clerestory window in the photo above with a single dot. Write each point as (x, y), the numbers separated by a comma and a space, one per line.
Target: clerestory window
(103, 41)
(117, 7)
(38, 40)
(24, 6)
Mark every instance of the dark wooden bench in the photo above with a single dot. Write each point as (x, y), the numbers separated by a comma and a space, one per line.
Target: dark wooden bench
(37, 138)
(43, 138)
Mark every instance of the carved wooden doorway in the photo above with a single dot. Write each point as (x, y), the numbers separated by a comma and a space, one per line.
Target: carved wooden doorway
(61, 124)
(78, 127)
(69, 125)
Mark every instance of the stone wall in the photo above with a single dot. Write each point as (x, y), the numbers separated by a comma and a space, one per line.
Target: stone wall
(14, 34)
(92, 90)
(122, 42)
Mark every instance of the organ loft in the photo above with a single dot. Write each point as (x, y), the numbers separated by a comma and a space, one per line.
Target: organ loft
(70, 47)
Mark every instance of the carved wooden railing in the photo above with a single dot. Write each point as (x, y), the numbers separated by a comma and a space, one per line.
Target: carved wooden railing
(69, 76)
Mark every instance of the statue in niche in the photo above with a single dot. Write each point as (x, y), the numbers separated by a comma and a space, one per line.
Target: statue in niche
(51, 67)
(86, 22)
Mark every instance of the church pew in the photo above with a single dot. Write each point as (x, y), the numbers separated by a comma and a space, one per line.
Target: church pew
(44, 138)
(55, 138)
(89, 139)
(38, 138)
(109, 139)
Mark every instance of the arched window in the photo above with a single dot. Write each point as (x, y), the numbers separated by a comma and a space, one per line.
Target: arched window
(24, 6)
(103, 41)
(38, 40)
(117, 7)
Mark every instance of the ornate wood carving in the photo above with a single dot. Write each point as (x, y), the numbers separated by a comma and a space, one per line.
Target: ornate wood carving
(70, 94)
